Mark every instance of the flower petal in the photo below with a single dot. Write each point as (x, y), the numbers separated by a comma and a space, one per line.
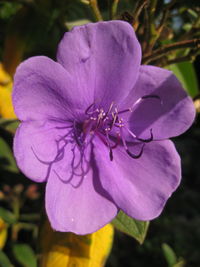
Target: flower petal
(104, 58)
(75, 200)
(140, 187)
(170, 116)
(36, 142)
(44, 90)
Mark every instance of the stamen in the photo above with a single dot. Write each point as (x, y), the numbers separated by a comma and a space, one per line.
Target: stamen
(115, 118)
(63, 127)
(110, 148)
(87, 109)
(148, 139)
(111, 155)
(141, 139)
(133, 155)
(138, 101)
(151, 96)
(125, 111)
(110, 108)
(101, 116)
(116, 143)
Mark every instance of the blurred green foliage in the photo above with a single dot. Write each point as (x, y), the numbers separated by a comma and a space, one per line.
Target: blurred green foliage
(24, 255)
(186, 74)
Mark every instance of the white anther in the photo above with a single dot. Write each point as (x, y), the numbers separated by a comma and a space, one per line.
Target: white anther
(138, 101)
(107, 129)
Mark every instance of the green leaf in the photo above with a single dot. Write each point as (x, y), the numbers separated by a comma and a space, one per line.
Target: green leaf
(24, 255)
(7, 161)
(7, 216)
(185, 72)
(132, 227)
(4, 260)
(193, 13)
(169, 254)
(79, 22)
(181, 263)
(9, 125)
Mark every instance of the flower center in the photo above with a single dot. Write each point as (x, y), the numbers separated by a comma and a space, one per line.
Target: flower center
(110, 127)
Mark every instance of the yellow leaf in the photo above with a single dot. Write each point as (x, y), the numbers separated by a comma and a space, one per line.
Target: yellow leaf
(3, 233)
(70, 250)
(6, 108)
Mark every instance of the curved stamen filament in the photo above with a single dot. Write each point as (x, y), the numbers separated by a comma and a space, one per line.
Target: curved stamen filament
(63, 127)
(152, 96)
(100, 118)
(115, 119)
(138, 101)
(148, 139)
(116, 143)
(134, 156)
(108, 144)
(141, 139)
(106, 140)
(87, 112)
(109, 110)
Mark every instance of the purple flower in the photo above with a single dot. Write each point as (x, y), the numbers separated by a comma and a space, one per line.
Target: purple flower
(94, 126)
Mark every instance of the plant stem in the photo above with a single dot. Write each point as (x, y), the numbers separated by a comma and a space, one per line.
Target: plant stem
(114, 8)
(96, 11)
(137, 11)
(16, 207)
(165, 15)
(190, 57)
(158, 53)
(29, 217)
